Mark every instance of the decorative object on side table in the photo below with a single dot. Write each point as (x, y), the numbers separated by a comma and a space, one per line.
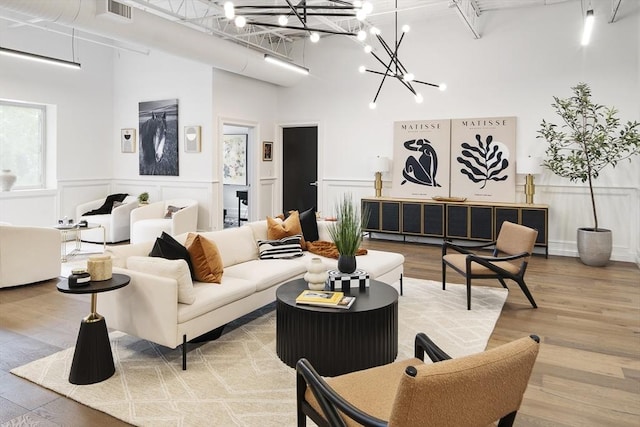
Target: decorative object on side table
(590, 139)
(379, 165)
(79, 277)
(99, 267)
(7, 179)
(345, 281)
(346, 233)
(316, 274)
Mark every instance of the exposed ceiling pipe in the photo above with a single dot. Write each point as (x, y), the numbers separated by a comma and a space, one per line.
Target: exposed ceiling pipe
(156, 33)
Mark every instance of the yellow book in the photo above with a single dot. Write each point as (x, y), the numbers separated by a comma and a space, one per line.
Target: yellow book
(325, 298)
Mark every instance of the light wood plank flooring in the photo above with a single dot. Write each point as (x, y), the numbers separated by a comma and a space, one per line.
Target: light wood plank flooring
(587, 373)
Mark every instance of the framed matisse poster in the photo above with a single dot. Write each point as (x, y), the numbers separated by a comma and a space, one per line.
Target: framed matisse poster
(483, 153)
(421, 152)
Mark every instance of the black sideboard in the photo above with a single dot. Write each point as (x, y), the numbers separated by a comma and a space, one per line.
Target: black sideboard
(477, 221)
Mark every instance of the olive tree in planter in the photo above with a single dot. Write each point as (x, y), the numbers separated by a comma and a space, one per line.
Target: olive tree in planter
(590, 139)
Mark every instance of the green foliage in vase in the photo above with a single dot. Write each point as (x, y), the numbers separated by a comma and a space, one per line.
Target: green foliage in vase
(484, 162)
(590, 139)
(346, 232)
(143, 197)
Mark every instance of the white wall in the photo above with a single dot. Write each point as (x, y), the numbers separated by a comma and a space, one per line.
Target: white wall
(84, 109)
(522, 60)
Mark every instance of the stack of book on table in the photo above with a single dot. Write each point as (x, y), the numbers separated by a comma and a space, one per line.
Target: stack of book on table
(325, 299)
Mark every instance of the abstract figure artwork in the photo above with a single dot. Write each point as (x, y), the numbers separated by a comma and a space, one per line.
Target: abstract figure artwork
(421, 158)
(482, 158)
(158, 122)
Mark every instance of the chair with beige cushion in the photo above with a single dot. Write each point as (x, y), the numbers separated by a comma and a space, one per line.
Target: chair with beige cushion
(115, 222)
(509, 259)
(174, 216)
(474, 390)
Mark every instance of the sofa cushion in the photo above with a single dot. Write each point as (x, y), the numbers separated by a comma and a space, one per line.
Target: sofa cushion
(288, 247)
(265, 273)
(171, 210)
(169, 248)
(309, 225)
(236, 244)
(175, 269)
(289, 227)
(205, 258)
(209, 298)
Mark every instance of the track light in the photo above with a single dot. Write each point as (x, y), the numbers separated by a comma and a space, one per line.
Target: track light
(288, 65)
(588, 27)
(39, 58)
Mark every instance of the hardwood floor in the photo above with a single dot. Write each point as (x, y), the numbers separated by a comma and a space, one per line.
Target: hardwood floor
(587, 372)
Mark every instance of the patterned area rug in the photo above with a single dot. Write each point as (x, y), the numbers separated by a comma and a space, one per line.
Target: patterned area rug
(238, 379)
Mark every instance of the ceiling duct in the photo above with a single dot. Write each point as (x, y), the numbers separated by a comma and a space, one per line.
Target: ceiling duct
(156, 33)
(114, 10)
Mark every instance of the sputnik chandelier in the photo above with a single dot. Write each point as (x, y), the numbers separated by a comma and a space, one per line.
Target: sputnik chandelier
(394, 68)
(301, 11)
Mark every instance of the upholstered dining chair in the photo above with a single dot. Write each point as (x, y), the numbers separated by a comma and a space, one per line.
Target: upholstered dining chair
(173, 216)
(474, 390)
(509, 259)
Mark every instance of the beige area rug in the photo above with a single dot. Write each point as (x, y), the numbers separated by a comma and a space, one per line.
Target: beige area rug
(238, 379)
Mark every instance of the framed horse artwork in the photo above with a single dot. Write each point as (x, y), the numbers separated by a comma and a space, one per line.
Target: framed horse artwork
(158, 130)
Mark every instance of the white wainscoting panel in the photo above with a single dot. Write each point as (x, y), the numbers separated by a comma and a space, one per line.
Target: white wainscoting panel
(29, 207)
(267, 198)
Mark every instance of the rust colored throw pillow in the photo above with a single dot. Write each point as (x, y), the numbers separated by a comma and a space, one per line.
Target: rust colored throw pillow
(205, 257)
(277, 230)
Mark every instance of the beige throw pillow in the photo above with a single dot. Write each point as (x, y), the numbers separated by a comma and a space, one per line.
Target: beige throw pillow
(172, 268)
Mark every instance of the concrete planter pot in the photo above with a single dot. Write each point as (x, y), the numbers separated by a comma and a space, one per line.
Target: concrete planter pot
(594, 247)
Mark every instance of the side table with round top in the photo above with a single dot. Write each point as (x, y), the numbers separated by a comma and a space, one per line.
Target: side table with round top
(92, 359)
(337, 341)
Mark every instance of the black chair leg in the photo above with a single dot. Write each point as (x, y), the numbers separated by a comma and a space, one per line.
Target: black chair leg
(444, 275)
(525, 289)
(184, 352)
(401, 290)
(468, 293)
(507, 420)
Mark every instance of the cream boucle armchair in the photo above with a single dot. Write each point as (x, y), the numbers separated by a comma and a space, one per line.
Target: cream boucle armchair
(475, 390)
(116, 223)
(28, 254)
(148, 222)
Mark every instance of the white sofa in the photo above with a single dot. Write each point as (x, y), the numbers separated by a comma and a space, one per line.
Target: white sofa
(148, 222)
(116, 224)
(28, 254)
(148, 307)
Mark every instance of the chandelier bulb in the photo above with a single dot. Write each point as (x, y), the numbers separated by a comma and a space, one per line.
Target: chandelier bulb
(367, 7)
(314, 37)
(408, 77)
(362, 35)
(372, 105)
(361, 15)
(442, 87)
(240, 21)
(374, 31)
(362, 68)
(229, 11)
(283, 20)
(419, 98)
(406, 28)
(368, 49)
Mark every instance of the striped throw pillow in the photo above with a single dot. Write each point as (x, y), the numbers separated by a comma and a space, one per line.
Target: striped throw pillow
(287, 247)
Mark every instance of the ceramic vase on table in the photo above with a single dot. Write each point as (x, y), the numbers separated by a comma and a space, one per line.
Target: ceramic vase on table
(316, 274)
(347, 263)
(7, 179)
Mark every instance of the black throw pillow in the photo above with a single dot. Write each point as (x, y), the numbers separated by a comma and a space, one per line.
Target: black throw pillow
(309, 225)
(169, 248)
(107, 206)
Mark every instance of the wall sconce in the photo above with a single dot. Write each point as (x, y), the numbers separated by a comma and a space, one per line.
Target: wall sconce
(530, 166)
(379, 165)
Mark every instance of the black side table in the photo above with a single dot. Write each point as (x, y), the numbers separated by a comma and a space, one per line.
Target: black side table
(92, 359)
(338, 341)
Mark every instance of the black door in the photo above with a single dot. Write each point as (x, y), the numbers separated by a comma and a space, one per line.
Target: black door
(299, 168)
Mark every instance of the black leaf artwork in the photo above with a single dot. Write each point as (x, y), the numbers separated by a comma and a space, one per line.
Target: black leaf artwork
(484, 162)
(421, 170)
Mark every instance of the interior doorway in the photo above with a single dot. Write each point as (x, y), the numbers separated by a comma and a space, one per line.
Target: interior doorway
(299, 168)
(237, 143)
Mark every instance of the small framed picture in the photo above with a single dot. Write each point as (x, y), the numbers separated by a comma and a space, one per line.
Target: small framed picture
(128, 140)
(267, 151)
(192, 139)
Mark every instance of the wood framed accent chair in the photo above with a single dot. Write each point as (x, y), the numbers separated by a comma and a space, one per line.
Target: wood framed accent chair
(112, 213)
(474, 390)
(174, 216)
(509, 260)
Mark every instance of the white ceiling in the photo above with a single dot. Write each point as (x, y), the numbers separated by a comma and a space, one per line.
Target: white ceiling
(208, 16)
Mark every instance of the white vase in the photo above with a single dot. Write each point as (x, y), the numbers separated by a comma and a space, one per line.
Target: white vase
(7, 179)
(316, 274)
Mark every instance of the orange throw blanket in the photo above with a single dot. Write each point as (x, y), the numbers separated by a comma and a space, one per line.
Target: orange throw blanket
(328, 249)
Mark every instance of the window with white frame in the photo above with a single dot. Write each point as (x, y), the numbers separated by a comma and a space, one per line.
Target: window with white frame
(23, 142)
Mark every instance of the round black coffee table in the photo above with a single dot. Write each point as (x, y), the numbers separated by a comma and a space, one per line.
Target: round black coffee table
(338, 341)
(92, 359)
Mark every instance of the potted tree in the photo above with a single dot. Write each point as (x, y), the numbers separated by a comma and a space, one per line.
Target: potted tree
(346, 233)
(590, 139)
